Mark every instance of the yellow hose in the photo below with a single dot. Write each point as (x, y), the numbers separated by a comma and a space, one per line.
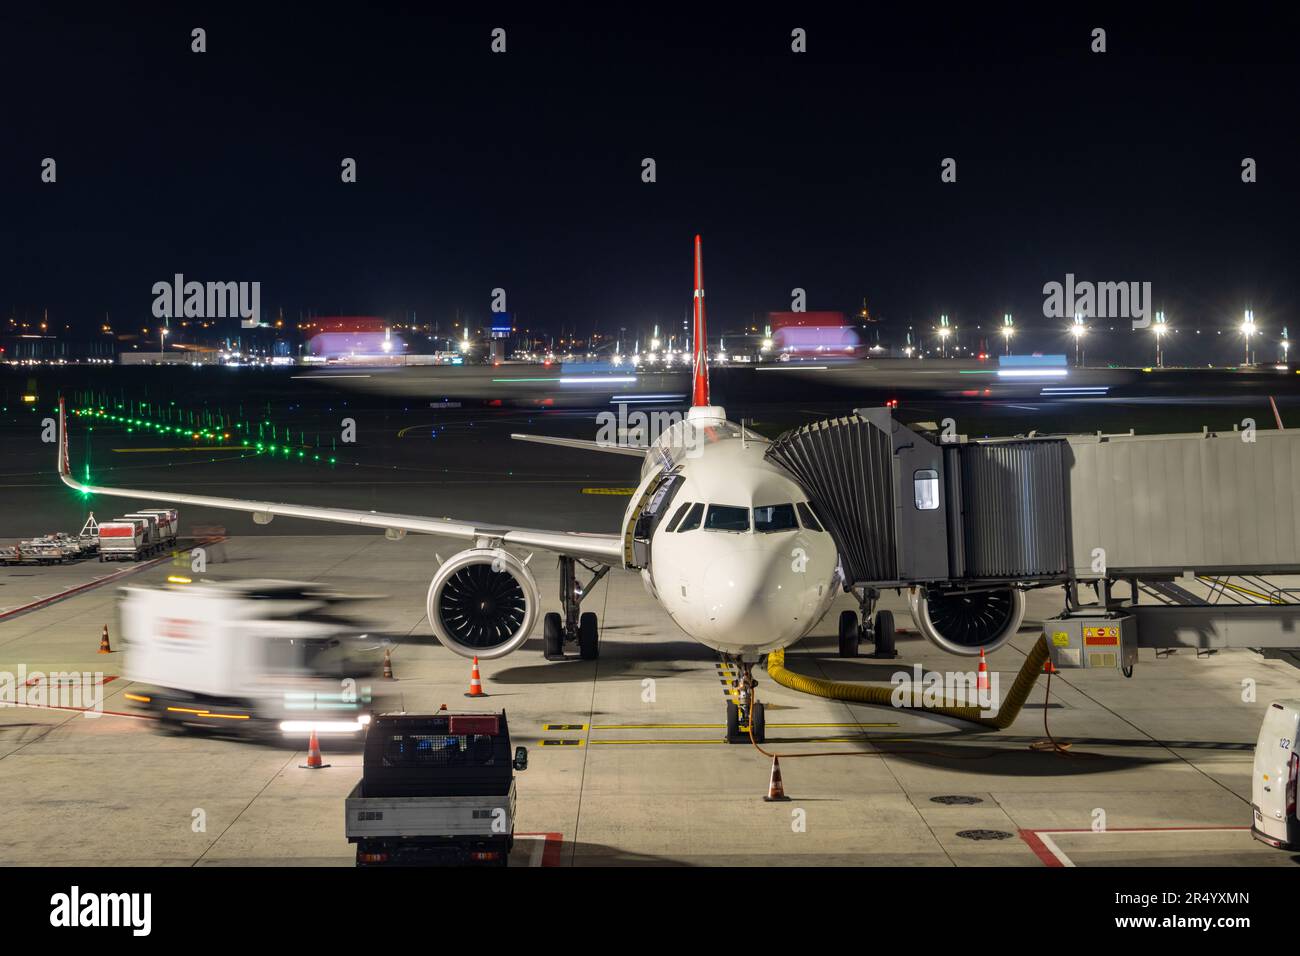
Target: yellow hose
(869, 694)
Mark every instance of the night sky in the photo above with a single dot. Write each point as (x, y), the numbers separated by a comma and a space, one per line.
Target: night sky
(523, 170)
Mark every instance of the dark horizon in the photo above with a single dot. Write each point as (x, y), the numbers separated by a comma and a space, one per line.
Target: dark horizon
(523, 170)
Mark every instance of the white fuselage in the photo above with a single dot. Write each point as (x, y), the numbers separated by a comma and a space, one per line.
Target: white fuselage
(754, 575)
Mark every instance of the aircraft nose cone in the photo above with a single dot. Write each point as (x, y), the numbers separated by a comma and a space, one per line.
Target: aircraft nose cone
(743, 603)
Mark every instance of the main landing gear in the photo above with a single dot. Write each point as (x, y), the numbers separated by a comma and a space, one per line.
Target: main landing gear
(573, 625)
(879, 632)
(745, 715)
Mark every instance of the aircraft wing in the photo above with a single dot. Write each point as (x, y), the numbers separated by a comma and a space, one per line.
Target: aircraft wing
(602, 548)
(635, 451)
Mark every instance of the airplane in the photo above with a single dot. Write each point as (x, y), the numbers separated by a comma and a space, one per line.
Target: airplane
(724, 539)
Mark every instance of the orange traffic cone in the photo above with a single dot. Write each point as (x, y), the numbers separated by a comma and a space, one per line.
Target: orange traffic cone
(982, 678)
(775, 788)
(313, 755)
(388, 663)
(103, 642)
(475, 681)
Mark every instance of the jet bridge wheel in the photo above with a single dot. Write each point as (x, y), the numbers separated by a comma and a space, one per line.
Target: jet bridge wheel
(884, 635)
(849, 634)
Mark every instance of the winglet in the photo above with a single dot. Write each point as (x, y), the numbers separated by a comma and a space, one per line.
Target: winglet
(700, 390)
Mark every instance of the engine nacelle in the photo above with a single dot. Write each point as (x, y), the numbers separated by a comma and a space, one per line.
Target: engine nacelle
(962, 622)
(483, 602)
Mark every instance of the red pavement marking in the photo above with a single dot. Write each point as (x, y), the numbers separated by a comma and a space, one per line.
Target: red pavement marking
(33, 681)
(551, 849)
(1035, 843)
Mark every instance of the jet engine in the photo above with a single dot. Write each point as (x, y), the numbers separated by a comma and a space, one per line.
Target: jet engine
(483, 602)
(962, 622)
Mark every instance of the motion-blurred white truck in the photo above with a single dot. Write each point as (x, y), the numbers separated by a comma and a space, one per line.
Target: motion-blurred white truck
(272, 659)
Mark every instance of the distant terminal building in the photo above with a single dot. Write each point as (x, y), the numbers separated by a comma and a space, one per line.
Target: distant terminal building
(812, 332)
(350, 336)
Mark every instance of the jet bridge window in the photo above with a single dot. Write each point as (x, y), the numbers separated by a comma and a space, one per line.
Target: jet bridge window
(925, 489)
(726, 518)
(808, 518)
(774, 518)
(692, 518)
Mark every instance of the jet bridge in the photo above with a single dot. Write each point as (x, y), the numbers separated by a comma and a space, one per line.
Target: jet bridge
(968, 525)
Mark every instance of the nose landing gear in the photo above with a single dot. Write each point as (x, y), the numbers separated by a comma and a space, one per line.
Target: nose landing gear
(574, 625)
(879, 631)
(746, 716)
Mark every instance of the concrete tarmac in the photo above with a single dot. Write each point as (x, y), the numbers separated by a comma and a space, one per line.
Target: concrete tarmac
(1157, 773)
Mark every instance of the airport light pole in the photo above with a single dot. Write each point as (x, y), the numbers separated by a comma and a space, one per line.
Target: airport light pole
(1008, 330)
(1078, 330)
(944, 332)
(1247, 330)
(1159, 328)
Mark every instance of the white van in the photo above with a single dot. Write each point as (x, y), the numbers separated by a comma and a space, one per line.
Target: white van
(1273, 780)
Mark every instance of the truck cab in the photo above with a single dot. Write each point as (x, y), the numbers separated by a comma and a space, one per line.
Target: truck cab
(1273, 777)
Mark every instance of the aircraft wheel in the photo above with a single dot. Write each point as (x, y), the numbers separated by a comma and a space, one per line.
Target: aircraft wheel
(848, 634)
(758, 723)
(588, 637)
(885, 634)
(553, 636)
(733, 723)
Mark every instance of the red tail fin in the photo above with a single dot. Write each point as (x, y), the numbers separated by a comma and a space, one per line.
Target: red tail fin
(700, 391)
(65, 469)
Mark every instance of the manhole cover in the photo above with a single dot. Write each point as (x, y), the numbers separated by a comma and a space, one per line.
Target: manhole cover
(956, 800)
(984, 834)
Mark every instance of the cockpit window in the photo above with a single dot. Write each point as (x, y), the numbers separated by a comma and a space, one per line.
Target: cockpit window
(692, 518)
(808, 518)
(774, 518)
(678, 516)
(726, 518)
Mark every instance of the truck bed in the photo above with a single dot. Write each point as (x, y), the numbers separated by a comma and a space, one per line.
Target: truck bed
(459, 816)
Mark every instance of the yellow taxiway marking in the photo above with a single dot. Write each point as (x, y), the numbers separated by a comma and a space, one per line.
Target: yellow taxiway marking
(711, 743)
(609, 491)
(188, 448)
(720, 726)
(564, 726)
(723, 743)
(571, 742)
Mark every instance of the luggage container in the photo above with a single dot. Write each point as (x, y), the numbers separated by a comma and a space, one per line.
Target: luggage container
(153, 530)
(122, 539)
(168, 524)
